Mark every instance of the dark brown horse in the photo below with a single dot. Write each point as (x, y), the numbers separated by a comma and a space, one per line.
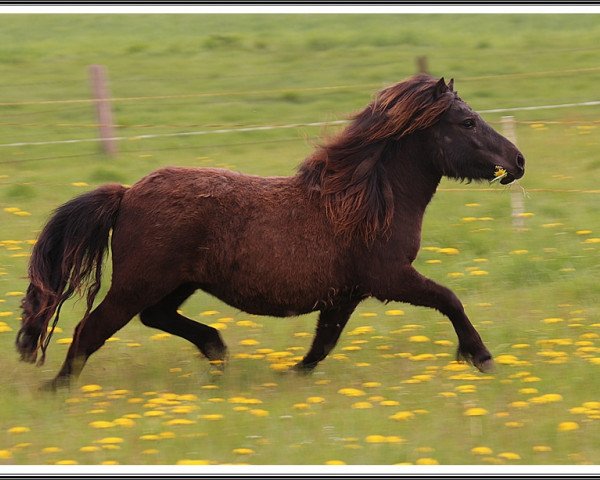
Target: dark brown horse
(346, 227)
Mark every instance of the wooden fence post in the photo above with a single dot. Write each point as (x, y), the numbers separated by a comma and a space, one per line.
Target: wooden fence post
(98, 81)
(422, 66)
(516, 198)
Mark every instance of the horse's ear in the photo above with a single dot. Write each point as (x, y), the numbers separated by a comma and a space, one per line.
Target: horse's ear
(440, 88)
(451, 85)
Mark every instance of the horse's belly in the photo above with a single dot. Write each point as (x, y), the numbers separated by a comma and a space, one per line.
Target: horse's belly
(256, 303)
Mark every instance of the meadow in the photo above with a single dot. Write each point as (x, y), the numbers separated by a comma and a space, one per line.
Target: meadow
(391, 392)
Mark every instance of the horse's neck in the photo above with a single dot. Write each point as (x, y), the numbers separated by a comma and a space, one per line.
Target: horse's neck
(414, 179)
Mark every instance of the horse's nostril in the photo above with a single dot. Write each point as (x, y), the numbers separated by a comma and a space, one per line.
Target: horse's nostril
(520, 161)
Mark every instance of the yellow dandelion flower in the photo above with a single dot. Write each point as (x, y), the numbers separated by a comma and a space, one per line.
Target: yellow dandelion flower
(90, 388)
(66, 462)
(247, 323)
(478, 273)
(149, 436)
(449, 251)
(184, 409)
(421, 357)
(218, 326)
(547, 398)
(280, 367)
(160, 336)
(541, 448)
(552, 320)
(335, 462)
(150, 451)
(187, 397)
(427, 461)
(154, 413)
(371, 384)
(402, 415)
(248, 342)
(5, 454)
(89, 449)
(482, 451)
(519, 404)
(259, 412)
(567, 426)
(394, 313)
(301, 406)
(519, 252)
(368, 314)
(447, 394)
(179, 421)
(361, 405)
(509, 456)
(375, 439)
(209, 313)
(514, 424)
(456, 274)
(351, 392)
(302, 334)
(475, 412)
(362, 330)
(101, 424)
(18, 430)
(507, 360)
(51, 450)
(315, 400)
(193, 462)
(110, 440)
(243, 451)
(211, 416)
(389, 403)
(419, 339)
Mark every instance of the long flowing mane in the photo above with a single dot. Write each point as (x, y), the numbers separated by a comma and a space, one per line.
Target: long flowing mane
(347, 171)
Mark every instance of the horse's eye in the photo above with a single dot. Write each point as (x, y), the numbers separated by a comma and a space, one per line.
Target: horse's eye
(468, 123)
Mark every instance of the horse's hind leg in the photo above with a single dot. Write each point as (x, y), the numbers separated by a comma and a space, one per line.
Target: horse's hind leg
(329, 328)
(164, 316)
(108, 317)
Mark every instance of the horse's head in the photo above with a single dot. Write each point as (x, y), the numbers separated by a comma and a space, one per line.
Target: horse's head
(466, 147)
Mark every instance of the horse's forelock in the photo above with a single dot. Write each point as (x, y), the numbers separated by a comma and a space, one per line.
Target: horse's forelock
(406, 107)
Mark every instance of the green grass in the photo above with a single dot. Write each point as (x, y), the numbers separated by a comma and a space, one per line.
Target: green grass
(536, 307)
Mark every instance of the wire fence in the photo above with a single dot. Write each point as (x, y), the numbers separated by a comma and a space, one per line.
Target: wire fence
(28, 121)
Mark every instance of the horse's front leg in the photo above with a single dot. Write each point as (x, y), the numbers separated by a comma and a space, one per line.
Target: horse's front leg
(329, 327)
(412, 287)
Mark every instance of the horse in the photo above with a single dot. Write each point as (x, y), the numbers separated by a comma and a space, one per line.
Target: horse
(345, 227)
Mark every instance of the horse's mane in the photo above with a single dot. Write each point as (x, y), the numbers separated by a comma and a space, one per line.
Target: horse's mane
(347, 171)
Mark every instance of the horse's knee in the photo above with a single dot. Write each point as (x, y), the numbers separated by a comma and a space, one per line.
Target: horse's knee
(151, 317)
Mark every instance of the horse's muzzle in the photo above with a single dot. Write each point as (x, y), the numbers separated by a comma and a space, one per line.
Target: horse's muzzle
(516, 172)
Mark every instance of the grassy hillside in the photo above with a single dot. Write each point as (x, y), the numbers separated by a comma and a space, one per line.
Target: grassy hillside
(146, 398)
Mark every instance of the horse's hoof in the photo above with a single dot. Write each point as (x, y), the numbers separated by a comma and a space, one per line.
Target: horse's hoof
(57, 383)
(487, 366)
(303, 368)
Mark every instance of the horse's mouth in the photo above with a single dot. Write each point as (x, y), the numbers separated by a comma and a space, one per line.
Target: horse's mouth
(508, 179)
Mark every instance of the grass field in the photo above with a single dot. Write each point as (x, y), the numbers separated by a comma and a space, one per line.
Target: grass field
(390, 393)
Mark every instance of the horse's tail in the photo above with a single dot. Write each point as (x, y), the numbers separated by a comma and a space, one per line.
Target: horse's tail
(66, 258)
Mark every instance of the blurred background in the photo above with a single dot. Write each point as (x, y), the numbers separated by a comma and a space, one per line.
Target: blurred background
(256, 93)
